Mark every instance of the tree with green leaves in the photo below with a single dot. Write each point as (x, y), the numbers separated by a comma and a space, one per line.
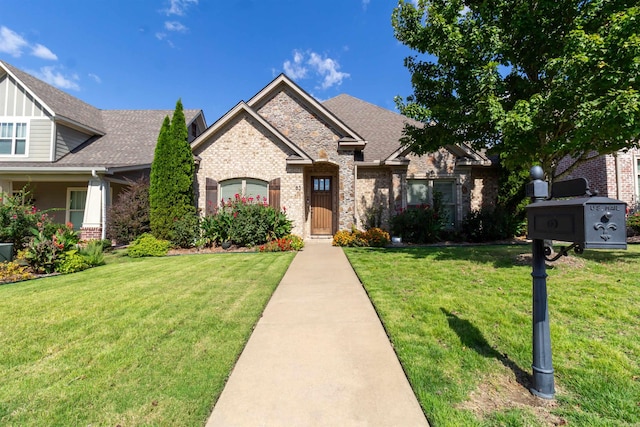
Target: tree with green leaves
(171, 195)
(534, 81)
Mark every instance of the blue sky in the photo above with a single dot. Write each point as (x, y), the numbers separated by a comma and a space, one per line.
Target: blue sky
(134, 54)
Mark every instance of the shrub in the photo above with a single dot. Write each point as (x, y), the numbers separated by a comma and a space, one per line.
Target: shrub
(17, 218)
(290, 242)
(297, 243)
(46, 247)
(186, 230)
(489, 224)
(376, 237)
(148, 245)
(93, 252)
(633, 223)
(128, 216)
(71, 262)
(246, 222)
(418, 225)
(349, 238)
(172, 173)
(14, 272)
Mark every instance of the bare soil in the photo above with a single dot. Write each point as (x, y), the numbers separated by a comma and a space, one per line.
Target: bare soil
(505, 392)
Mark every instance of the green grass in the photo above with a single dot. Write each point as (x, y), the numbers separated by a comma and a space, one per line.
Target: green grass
(136, 342)
(460, 318)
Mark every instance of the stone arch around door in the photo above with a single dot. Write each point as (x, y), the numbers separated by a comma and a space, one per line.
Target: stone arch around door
(322, 200)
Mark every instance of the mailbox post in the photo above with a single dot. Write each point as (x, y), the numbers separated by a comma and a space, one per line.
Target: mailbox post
(587, 222)
(542, 384)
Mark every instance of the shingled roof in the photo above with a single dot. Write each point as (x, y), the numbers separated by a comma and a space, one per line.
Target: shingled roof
(63, 105)
(130, 139)
(381, 128)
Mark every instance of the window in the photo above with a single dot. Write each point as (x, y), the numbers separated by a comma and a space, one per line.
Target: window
(321, 184)
(638, 182)
(244, 187)
(13, 139)
(447, 191)
(420, 192)
(76, 200)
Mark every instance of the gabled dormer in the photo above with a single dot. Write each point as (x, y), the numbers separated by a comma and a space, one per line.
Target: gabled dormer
(39, 123)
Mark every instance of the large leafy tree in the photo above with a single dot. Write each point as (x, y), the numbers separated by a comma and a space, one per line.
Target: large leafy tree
(534, 80)
(171, 196)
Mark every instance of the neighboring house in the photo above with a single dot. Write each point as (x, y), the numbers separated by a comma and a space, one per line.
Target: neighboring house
(614, 175)
(332, 165)
(73, 157)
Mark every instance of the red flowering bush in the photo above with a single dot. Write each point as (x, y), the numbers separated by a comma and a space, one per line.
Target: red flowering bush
(287, 243)
(17, 217)
(46, 249)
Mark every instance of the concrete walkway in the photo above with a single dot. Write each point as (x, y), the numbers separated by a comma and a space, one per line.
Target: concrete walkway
(319, 356)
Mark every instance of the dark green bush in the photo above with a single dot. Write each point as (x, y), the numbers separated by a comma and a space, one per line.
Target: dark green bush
(246, 222)
(186, 230)
(418, 225)
(491, 223)
(93, 252)
(148, 245)
(633, 223)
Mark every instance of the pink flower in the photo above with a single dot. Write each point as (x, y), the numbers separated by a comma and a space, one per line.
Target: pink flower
(257, 198)
(237, 196)
(284, 209)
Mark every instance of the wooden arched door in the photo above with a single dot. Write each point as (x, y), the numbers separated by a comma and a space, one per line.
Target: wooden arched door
(321, 205)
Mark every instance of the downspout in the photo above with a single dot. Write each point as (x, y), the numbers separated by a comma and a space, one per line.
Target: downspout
(103, 208)
(355, 194)
(618, 177)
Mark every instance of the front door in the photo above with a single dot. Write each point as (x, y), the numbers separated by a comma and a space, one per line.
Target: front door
(321, 205)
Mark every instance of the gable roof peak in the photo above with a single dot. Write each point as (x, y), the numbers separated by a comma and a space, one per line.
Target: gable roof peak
(60, 104)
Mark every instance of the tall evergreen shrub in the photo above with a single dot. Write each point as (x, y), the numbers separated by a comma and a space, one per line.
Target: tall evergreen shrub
(172, 173)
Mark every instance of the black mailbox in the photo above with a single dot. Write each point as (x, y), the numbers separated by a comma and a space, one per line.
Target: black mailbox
(590, 222)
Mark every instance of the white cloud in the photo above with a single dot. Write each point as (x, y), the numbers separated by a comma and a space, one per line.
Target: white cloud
(324, 68)
(175, 26)
(14, 44)
(179, 7)
(365, 3)
(43, 52)
(11, 42)
(95, 78)
(295, 69)
(53, 76)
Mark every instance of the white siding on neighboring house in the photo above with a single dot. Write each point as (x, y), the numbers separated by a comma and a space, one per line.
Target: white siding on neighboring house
(67, 139)
(39, 140)
(18, 106)
(15, 101)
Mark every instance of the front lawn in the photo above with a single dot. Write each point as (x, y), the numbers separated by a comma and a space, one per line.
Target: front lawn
(460, 321)
(137, 342)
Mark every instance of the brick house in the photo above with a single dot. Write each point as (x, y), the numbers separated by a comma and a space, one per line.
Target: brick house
(614, 175)
(332, 165)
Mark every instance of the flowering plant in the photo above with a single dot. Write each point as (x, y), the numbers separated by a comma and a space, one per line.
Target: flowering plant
(246, 221)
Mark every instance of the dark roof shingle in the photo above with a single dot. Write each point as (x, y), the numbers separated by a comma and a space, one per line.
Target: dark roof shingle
(381, 128)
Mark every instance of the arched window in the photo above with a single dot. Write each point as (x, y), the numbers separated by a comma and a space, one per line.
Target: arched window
(247, 187)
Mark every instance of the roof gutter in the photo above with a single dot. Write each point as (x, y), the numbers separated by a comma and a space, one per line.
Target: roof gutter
(50, 169)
